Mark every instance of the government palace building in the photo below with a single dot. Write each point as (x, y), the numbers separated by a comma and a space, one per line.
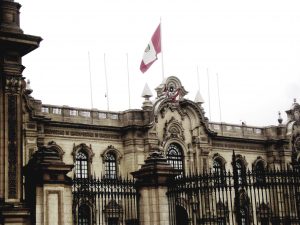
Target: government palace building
(163, 164)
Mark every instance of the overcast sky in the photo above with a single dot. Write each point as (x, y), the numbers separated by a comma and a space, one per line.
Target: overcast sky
(254, 46)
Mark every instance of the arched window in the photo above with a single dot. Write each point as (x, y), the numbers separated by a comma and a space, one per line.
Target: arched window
(110, 162)
(218, 169)
(241, 171)
(81, 165)
(84, 215)
(244, 205)
(218, 165)
(175, 157)
(260, 172)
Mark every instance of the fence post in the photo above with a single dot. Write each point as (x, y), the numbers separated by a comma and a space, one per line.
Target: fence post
(152, 185)
(48, 189)
(237, 205)
(296, 177)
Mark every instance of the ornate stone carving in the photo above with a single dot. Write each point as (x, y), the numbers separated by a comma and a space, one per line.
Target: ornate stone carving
(111, 148)
(296, 143)
(171, 89)
(13, 84)
(55, 147)
(173, 130)
(259, 159)
(172, 106)
(85, 148)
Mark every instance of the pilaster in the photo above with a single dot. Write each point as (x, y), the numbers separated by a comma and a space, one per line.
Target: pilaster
(152, 181)
(13, 45)
(48, 188)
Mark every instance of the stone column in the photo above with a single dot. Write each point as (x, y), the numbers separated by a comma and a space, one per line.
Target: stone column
(152, 180)
(48, 189)
(14, 44)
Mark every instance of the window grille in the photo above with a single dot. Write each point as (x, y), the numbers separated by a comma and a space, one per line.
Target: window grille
(81, 165)
(218, 169)
(241, 172)
(84, 215)
(175, 157)
(110, 165)
(260, 173)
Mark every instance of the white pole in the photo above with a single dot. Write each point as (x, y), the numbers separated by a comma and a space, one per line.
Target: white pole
(91, 87)
(162, 54)
(219, 98)
(208, 94)
(128, 82)
(198, 79)
(106, 94)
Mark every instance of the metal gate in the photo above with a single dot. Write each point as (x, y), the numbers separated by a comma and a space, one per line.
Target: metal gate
(104, 202)
(269, 197)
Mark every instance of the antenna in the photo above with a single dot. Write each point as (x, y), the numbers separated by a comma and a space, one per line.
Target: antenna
(162, 53)
(106, 94)
(219, 98)
(208, 94)
(128, 81)
(91, 87)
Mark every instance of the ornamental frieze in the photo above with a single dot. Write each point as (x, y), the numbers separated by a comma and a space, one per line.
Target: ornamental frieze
(173, 130)
(13, 84)
(81, 134)
(237, 146)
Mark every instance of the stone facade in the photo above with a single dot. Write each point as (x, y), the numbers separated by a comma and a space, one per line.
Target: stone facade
(169, 122)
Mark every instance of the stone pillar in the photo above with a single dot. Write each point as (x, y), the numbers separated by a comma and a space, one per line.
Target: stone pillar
(48, 189)
(152, 180)
(14, 44)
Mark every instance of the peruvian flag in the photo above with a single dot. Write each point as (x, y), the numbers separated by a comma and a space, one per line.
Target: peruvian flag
(151, 51)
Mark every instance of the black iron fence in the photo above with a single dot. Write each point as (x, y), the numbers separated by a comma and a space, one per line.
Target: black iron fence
(264, 197)
(215, 197)
(104, 201)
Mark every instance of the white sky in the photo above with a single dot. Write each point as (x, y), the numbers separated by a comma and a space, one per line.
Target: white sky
(254, 46)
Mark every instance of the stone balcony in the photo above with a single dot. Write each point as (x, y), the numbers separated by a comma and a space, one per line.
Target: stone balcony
(249, 132)
(96, 117)
(138, 117)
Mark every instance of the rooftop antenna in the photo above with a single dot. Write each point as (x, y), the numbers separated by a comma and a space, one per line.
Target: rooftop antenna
(106, 94)
(219, 98)
(128, 81)
(162, 53)
(208, 94)
(91, 87)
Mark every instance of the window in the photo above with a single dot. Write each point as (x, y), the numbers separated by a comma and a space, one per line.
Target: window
(110, 165)
(56, 111)
(84, 215)
(81, 165)
(264, 221)
(45, 110)
(244, 216)
(73, 112)
(260, 172)
(175, 157)
(241, 172)
(113, 221)
(218, 168)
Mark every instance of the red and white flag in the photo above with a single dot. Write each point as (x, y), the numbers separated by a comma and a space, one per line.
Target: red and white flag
(151, 51)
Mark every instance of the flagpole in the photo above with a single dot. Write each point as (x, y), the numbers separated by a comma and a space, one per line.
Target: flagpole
(128, 81)
(107, 96)
(208, 93)
(198, 78)
(219, 98)
(162, 53)
(91, 88)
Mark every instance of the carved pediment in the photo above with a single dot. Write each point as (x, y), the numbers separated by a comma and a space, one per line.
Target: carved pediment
(173, 130)
(172, 106)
